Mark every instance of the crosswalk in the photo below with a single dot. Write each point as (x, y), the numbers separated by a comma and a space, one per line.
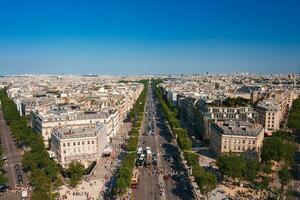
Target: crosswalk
(12, 164)
(14, 154)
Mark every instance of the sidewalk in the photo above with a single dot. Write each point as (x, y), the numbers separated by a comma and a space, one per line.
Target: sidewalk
(93, 186)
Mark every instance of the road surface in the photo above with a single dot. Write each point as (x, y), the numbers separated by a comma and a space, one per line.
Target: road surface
(13, 154)
(160, 141)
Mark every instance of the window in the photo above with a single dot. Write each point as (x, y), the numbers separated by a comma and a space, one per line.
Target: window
(92, 142)
(74, 143)
(253, 142)
(78, 143)
(82, 143)
(68, 144)
(88, 142)
(64, 144)
(64, 151)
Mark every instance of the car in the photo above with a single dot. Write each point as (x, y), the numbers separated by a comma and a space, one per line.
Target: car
(20, 181)
(171, 159)
(17, 166)
(4, 157)
(3, 188)
(19, 176)
(18, 171)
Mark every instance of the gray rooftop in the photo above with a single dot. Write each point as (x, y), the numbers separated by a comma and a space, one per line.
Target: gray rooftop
(238, 128)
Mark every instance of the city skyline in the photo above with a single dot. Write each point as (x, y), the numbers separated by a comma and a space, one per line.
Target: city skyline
(117, 38)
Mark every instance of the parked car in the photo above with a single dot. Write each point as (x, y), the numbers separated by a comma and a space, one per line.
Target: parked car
(3, 188)
(4, 157)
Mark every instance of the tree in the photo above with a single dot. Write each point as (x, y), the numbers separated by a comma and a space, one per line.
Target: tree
(3, 179)
(272, 149)
(76, 171)
(206, 182)
(267, 167)
(285, 176)
(252, 168)
(41, 184)
(232, 165)
(294, 115)
(279, 149)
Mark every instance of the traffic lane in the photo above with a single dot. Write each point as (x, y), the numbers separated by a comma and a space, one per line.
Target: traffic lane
(182, 184)
(6, 145)
(13, 153)
(147, 187)
(178, 183)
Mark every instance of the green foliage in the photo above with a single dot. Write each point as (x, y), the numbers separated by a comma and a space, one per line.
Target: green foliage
(191, 158)
(267, 167)
(3, 179)
(285, 176)
(76, 171)
(272, 149)
(294, 116)
(183, 140)
(232, 165)
(44, 171)
(252, 169)
(278, 149)
(205, 180)
(136, 115)
(238, 166)
(232, 102)
(264, 183)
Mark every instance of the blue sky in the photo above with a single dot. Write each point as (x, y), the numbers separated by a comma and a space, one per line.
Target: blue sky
(149, 37)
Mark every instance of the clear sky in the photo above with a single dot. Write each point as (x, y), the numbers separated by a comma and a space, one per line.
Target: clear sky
(149, 36)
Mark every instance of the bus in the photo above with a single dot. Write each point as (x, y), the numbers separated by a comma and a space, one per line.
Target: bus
(148, 158)
(141, 160)
(135, 178)
(139, 151)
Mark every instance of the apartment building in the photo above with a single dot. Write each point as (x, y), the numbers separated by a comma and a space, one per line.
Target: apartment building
(212, 111)
(43, 123)
(29, 104)
(236, 136)
(269, 115)
(81, 144)
(272, 110)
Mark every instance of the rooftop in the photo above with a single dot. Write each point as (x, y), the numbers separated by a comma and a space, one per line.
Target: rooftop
(238, 128)
(66, 133)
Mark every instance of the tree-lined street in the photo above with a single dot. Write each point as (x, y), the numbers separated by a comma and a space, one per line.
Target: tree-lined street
(157, 136)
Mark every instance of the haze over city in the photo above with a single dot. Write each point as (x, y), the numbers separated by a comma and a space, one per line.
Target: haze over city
(153, 37)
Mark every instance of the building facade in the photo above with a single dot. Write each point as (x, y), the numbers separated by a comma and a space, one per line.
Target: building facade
(81, 144)
(236, 136)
